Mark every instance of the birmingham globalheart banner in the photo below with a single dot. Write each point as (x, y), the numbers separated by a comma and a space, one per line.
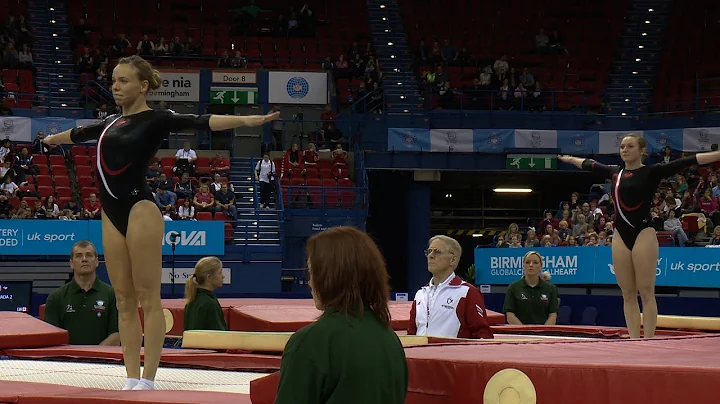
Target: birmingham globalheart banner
(676, 266)
(568, 141)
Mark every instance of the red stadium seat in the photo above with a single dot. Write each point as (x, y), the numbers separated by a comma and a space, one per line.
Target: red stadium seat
(57, 160)
(82, 160)
(62, 181)
(204, 216)
(44, 181)
(85, 182)
(78, 151)
(59, 170)
(83, 171)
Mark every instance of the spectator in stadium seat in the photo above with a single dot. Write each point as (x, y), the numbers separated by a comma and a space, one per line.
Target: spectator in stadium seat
(186, 211)
(592, 239)
(514, 241)
(10, 57)
(191, 48)
(501, 243)
(38, 211)
(505, 100)
(448, 52)
(225, 201)
(292, 162)
(166, 200)
(327, 64)
(224, 60)
(5, 207)
(311, 156)
(571, 241)
(549, 220)
(153, 172)
(357, 66)
(50, 207)
(92, 208)
(339, 157)
(541, 41)
(145, 46)
(532, 299)
(563, 230)
(185, 159)
(74, 208)
(531, 239)
(23, 211)
(341, 67)
(580, 228)
(8, 187)
(447, 306)
(24, 165)
(220, 165)
(556, 43)
(501, 65)
(708, 204)
(217, 183)
(25, 59)
(85, 306)
(715, 239)
(168, 184)
(84, 63)
(600, 224)
(327, 116)
(161, 48)
(101, 112)
(5, 150)
(239, 61)
(204, 200)
(121, 42)
(185, 189)
(176, 47)
(674, 225)
(6, 171)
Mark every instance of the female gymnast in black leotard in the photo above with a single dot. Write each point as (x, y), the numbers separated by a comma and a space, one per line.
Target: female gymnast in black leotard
(132, 226)
(634, 245)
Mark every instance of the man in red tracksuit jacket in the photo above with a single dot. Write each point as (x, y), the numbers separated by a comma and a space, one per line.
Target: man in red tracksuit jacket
(448, 306)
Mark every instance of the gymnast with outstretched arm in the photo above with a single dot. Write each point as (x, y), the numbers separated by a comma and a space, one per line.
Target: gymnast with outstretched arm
(634, 246)
(132, 225)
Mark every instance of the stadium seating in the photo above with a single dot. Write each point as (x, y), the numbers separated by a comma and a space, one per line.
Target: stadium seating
(690, 53)
(491, 29)
(215, 29)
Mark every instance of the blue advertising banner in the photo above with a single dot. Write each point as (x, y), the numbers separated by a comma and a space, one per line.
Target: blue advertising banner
(677, 267)
(408, 139)
(56, 237)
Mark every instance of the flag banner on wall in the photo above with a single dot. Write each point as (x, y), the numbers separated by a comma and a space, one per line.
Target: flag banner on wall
(580, 142)
(700, 139)
(610, 140)
(17, 129)
(451, 140)
(297, 88)
(493, 140)
(51, 126)
(408, 139)
(535, 139)
(658, 140)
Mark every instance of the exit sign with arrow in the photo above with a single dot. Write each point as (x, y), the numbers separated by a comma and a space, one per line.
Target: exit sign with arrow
(233, 95)
(530, 162)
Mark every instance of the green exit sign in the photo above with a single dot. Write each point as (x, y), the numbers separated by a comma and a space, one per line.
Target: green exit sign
(529, 162)
(233, 96)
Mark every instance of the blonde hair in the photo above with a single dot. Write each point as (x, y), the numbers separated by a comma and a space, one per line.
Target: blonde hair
(203, 269)
(544, 275)
(145, 71)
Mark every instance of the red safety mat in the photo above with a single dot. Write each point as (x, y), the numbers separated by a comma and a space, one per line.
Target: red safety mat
(177, 357)
(659, 371)
(580, 331)
(21, 330)
(41, 393)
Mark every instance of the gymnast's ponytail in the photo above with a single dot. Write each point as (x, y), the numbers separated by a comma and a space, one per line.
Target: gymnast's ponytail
(145, 71)
(203, 269)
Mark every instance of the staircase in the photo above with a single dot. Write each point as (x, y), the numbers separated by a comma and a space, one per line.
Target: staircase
(257, 226)
(393, 52)
(57, 85)
(635, 69)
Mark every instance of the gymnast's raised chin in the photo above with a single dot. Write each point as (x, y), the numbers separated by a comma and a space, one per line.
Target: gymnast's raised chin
(132, 225)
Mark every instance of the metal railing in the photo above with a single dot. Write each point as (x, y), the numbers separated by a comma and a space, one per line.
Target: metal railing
(325, 198)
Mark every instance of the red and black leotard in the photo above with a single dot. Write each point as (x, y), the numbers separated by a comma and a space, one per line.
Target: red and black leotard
(633, 190)
(125, 147)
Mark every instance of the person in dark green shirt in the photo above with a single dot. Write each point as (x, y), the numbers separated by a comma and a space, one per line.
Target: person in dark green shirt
(85, 306)
(351, 353)
(202, 309)
(532, 299)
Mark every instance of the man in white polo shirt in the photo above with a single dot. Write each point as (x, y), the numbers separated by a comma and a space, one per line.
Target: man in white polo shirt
(185, 160)
(448, 306)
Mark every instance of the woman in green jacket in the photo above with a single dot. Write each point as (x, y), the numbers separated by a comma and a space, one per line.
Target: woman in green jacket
(351, 353)
(202, 310)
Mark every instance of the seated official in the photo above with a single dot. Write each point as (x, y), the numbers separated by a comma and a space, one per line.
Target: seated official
(456, 308)
(532, 299)
(351, 353)
(202, 309)
(85, 306)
